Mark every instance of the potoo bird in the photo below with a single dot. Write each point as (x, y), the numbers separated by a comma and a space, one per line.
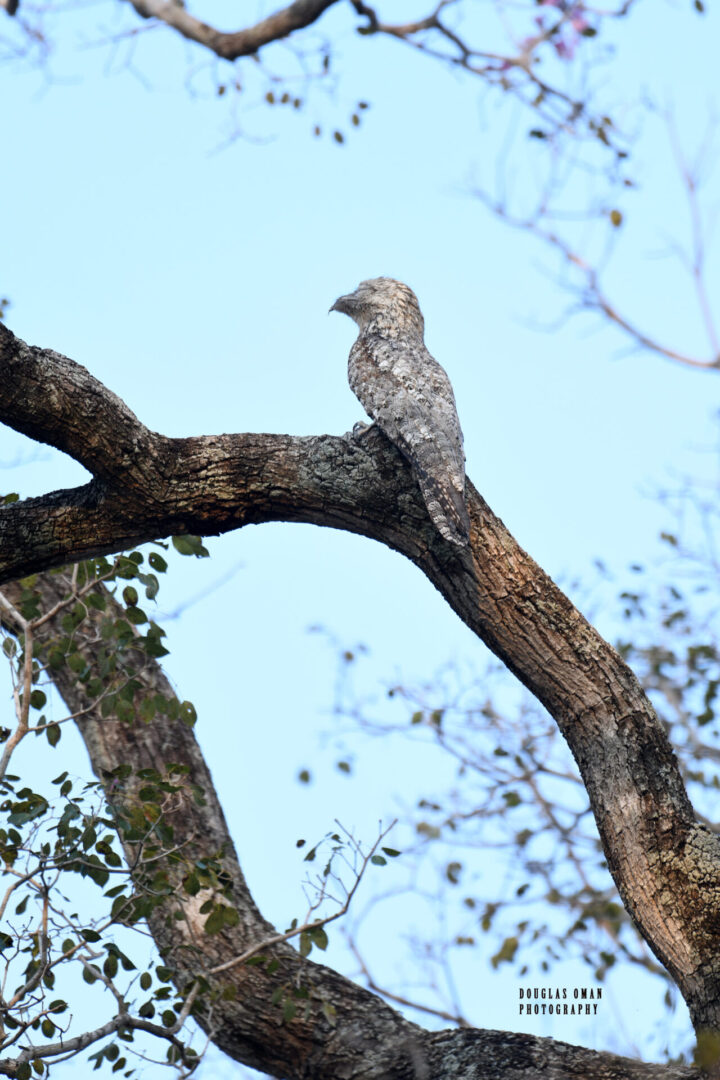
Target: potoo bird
(409, 396)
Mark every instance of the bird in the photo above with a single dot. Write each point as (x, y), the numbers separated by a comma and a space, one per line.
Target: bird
(409, 396)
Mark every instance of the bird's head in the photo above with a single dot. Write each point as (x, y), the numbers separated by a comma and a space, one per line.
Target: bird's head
(383, 306)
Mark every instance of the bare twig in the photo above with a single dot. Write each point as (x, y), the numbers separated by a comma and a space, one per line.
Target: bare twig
(590, 293)
(315, 924)
(230, 46)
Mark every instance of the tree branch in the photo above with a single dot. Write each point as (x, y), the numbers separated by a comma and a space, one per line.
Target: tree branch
(665, 864)
(589, 291)
(364, 1037)
(56, 401)
(230, 46)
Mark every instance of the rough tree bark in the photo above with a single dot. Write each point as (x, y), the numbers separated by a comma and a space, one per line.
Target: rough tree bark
(665, 864)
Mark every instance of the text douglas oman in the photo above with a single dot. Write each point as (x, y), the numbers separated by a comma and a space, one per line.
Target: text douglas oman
(559, 1001)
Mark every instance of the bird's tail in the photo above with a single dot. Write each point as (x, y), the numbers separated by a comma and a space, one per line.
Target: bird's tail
(447, 509)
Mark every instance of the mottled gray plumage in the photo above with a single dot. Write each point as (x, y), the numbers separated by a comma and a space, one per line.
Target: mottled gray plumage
(409, 396)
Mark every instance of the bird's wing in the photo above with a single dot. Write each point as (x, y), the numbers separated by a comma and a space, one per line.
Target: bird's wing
(409, 396)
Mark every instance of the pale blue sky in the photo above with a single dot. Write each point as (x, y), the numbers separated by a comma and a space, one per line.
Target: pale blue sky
(195, 282)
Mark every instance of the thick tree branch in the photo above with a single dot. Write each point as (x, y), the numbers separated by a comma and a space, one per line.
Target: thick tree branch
(146, 485)
(665, 864)
(366, 1040)
(230, 46)
(58, 402)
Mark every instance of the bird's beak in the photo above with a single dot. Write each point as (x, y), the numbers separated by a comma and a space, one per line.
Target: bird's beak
(343, 304)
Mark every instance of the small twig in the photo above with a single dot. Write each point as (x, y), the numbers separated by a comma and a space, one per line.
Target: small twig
(592, 296)
(277, 939)
(42, 964)
(18, 621)
(691, 182)
(22, 702)
(398, 998)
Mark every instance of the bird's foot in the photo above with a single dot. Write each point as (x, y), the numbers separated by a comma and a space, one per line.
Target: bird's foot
(360, 429)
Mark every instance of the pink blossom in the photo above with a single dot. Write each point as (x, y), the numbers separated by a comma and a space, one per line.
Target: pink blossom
(564, 49)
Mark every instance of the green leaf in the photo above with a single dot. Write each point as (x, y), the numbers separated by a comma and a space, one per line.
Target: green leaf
(152, 585)
(157, 562)
(453, 871)
(130, 596)
(53, 733)
(377, 860)
(38, 699)
(506, 952)
(147, 710)
(189, 544)
(154, 647)
(319, 937)
(187, 714)
(216, 919)
(76, 663)
(232, 917)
